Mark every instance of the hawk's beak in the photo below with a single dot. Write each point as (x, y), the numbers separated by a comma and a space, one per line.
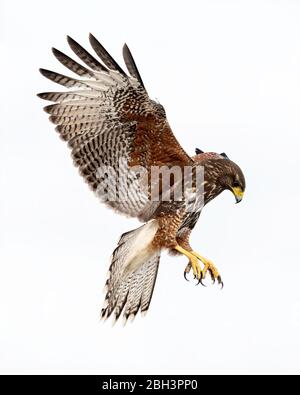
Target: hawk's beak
(238, 193)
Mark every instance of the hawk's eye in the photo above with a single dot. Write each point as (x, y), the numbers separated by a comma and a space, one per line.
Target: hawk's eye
(235, 184)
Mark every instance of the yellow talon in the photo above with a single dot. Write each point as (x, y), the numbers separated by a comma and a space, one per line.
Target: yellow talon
(199, 273)
(209, 267)
(193, 261)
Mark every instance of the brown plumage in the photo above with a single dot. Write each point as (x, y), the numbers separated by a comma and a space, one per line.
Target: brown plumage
(118, 136)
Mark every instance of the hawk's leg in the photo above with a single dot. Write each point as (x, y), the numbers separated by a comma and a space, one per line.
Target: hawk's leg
(193, 262)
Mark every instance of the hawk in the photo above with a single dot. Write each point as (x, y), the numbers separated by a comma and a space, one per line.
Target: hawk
(117, 136)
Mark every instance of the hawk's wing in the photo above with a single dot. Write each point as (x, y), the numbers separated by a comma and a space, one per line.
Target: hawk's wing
(111, 126)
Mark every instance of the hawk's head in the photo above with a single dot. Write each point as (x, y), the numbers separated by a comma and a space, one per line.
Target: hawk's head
(221, 174)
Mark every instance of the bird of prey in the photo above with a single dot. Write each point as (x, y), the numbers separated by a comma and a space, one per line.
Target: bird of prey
(117, 136)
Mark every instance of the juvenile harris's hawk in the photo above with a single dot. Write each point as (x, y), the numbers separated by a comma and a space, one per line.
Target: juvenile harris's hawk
(117, 136)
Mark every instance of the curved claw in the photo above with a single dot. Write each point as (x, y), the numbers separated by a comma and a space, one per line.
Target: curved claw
(184, 275)
(200, 280)
(212, 276)
(220, 282)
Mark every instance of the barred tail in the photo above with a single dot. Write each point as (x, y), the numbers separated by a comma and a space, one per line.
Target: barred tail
(132, 273)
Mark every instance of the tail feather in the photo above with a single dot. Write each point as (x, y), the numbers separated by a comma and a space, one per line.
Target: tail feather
(132, 274)
(149, 284)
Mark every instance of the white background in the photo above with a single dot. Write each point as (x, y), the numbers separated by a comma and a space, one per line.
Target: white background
(228, 74)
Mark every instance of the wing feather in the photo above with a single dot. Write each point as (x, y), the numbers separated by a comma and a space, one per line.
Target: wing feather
(85, 56)
(72, 64)
(107, 59)
(62, 79)
(63, 96)
(131, 66)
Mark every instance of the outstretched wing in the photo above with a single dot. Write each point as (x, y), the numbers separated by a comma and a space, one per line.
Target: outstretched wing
(111, 126)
